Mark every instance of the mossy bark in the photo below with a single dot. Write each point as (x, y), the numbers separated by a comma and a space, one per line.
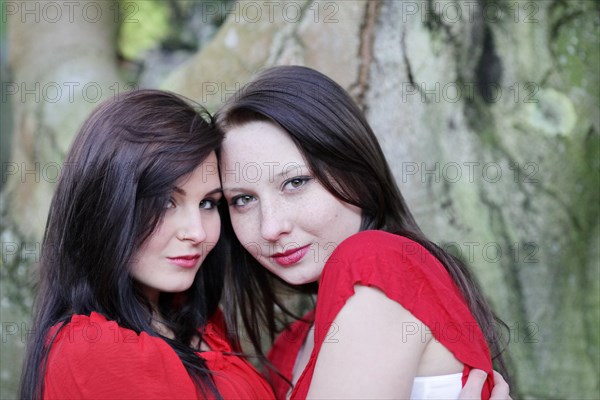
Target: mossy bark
(488, 112)
(60, 68)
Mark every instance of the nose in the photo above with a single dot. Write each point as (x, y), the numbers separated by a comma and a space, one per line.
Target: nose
(275, 221)
(192, 228)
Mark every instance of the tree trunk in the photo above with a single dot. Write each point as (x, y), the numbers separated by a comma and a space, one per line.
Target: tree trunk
(488, 114)
(63, 63)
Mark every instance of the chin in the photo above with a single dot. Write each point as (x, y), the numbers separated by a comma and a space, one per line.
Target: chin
(179, 289)
(299, 280)
(295, 274)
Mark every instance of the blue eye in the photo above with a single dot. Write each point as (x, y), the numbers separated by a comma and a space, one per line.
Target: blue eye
(242, 200)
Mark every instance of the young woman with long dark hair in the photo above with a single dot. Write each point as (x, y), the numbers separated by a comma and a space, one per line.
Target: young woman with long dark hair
(130, 279)
(313, 203)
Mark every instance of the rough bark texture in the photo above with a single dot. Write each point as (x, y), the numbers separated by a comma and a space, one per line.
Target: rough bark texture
(488, 113)
(487, 110)
(60, 70)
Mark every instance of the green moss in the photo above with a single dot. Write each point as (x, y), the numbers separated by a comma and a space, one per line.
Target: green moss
(144, 24)
(2, 29)
(552, 113)
(576, 45)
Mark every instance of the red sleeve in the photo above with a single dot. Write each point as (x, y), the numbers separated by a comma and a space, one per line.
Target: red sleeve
(408, 274)
(284, 352)
(95, 358)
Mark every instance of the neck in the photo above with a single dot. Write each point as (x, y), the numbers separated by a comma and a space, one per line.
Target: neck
(160, 327)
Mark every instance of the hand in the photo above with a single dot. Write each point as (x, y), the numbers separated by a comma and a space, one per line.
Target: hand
(474, 384)
(501, 390)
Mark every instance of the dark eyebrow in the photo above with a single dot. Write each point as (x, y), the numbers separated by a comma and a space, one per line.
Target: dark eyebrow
(179, 190)
(295, 167)
(182, 192)
(215, 191)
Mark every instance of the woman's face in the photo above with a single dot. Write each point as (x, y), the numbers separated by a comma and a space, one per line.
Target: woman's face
(280, 213)
(170, 258)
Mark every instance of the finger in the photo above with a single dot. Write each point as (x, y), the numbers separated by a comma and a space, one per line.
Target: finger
(501, 389)
(474, 385)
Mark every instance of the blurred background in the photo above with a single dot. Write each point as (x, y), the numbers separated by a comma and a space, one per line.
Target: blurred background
(488, 112)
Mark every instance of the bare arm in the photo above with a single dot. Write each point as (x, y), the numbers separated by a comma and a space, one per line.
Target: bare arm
(375, 353)
(371, 356)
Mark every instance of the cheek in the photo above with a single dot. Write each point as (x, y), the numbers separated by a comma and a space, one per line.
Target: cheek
(213, 231)
(242, 226)
(139, 259)
(333, 220)
(154, 243)
(247, 233)
(321, 217)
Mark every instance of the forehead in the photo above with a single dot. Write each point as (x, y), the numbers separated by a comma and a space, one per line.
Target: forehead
(205, 177)
(259, 145)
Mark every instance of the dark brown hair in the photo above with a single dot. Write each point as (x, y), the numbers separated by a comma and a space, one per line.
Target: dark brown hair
(118, 175)
(343, 153)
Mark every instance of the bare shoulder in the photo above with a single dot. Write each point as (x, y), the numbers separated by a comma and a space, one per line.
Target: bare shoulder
(375, 320)
(370, 342)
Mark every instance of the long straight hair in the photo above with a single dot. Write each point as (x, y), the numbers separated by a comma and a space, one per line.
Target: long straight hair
(343, 153)
(119, 173)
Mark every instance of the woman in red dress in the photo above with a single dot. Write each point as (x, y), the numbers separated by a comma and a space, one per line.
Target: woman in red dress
(313, 203)
(130, 284)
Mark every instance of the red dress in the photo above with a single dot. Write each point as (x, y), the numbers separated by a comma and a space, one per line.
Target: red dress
(95, 358)
(407, 273)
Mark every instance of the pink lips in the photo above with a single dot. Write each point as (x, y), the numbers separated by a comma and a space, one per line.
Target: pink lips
(185, 261)
(291, 256)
